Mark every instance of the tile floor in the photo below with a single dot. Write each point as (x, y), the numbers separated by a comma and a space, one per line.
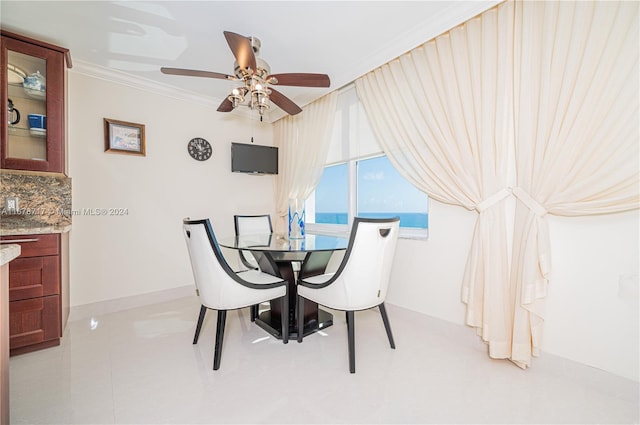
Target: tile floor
(139, 366)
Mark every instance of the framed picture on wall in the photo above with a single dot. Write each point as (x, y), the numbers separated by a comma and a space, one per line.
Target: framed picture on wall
(124, 137)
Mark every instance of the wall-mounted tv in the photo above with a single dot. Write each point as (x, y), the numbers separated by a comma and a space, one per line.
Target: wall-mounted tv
(254, 159)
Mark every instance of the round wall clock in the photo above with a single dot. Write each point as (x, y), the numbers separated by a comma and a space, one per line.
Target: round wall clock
(199, 149)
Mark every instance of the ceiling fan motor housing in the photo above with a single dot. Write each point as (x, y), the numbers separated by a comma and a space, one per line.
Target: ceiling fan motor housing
(262, 72)
(255, 44)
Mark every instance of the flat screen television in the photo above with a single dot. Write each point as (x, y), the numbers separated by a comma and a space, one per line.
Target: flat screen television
(254, 159)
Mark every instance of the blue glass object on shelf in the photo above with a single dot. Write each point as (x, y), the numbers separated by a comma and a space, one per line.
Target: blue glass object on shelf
(296, 219)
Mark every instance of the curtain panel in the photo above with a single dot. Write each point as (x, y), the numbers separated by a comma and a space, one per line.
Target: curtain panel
(577, 109)
(549, 89)
(303, 141)
(443, 115)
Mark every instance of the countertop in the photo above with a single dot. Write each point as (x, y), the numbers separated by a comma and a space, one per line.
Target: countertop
(10, 226)
(8, 253)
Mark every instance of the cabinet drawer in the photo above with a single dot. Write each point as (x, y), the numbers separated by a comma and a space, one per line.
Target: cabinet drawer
(34, 277)
(35, 245)
(34, 321)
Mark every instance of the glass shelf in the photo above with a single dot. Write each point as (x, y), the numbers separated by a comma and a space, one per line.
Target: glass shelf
(18, 91)
(16, 131)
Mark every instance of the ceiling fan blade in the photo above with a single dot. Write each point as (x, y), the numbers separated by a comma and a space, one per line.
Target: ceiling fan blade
(242, 50)
(284, 102)
(196, 73)
(301, 80)
(225, 106)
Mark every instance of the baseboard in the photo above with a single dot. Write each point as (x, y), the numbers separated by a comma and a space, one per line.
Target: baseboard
(87, 311)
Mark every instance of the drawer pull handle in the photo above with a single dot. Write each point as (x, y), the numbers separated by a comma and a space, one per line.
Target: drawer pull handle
(18, 240)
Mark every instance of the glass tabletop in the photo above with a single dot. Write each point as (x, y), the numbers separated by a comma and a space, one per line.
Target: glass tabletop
(281, 243)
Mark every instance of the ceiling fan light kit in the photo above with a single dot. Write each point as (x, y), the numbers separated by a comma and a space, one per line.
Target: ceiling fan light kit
(254, 75)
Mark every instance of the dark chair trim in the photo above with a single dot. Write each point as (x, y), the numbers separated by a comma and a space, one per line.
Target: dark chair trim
(345, 260)
(203, 311)
(387, 326)
(218, 253)
(285, 318)
(351, 337)
(217, 351)
(300, 316)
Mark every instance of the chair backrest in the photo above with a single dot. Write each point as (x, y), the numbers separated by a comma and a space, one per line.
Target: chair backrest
(253, 224)
(366, 267)
(218, 285)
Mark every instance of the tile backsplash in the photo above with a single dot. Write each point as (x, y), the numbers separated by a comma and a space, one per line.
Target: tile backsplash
(42, 198)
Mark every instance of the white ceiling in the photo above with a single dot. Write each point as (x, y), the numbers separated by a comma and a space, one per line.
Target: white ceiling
(131, 40)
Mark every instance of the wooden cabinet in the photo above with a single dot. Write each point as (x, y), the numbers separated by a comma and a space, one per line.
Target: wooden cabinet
(24, 146)
(35, 293)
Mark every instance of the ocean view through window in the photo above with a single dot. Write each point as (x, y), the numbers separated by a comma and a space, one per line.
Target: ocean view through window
(382, 192)
(377, 190)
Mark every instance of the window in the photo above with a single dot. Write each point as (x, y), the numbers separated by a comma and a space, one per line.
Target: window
(383, 192)
(368, 187)
(359, 180)
(332, 196)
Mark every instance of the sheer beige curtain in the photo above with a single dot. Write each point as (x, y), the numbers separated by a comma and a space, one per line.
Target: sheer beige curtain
(443, 115)
(557, 82)
(577, 147)
(303, 142)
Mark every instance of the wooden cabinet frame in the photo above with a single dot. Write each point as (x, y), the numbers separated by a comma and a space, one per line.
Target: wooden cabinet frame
(55, 59)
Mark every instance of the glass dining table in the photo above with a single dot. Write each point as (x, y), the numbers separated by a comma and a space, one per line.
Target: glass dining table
(276, 254)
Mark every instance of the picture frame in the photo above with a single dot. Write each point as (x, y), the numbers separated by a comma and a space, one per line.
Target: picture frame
(124, 137)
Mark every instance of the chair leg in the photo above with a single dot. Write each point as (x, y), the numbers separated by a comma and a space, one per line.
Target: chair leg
(217, 353)
(203, 311)
(254, 312)
(352, 349)
(300, 318)
(387, 327)
(285, 319)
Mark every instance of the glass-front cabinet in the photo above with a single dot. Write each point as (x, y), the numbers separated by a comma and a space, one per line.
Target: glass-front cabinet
(33, 136)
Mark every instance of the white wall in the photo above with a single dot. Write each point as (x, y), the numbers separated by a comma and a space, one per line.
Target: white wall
(121, 256)
(591, 318)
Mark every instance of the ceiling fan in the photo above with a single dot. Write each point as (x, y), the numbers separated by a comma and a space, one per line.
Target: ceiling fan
(255, 75)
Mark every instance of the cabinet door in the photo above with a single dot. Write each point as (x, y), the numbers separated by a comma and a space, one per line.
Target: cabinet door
(34, 277)
(34, 321)
(26, 144)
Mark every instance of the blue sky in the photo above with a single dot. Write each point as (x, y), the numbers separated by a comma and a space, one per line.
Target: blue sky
(380, 189)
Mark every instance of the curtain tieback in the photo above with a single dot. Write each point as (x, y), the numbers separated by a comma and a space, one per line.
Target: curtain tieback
(493, 199)
(531, 203)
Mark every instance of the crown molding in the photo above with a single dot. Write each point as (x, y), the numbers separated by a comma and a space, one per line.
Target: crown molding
(438, 24)
(406, 41)
(129, 80)
(126, 79)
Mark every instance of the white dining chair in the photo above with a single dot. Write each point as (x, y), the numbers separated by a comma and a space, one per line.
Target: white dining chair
(361, 280)
(220, 288)
(252, 225)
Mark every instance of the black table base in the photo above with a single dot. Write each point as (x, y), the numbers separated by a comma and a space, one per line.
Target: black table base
(314, 318)
(272, 324)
